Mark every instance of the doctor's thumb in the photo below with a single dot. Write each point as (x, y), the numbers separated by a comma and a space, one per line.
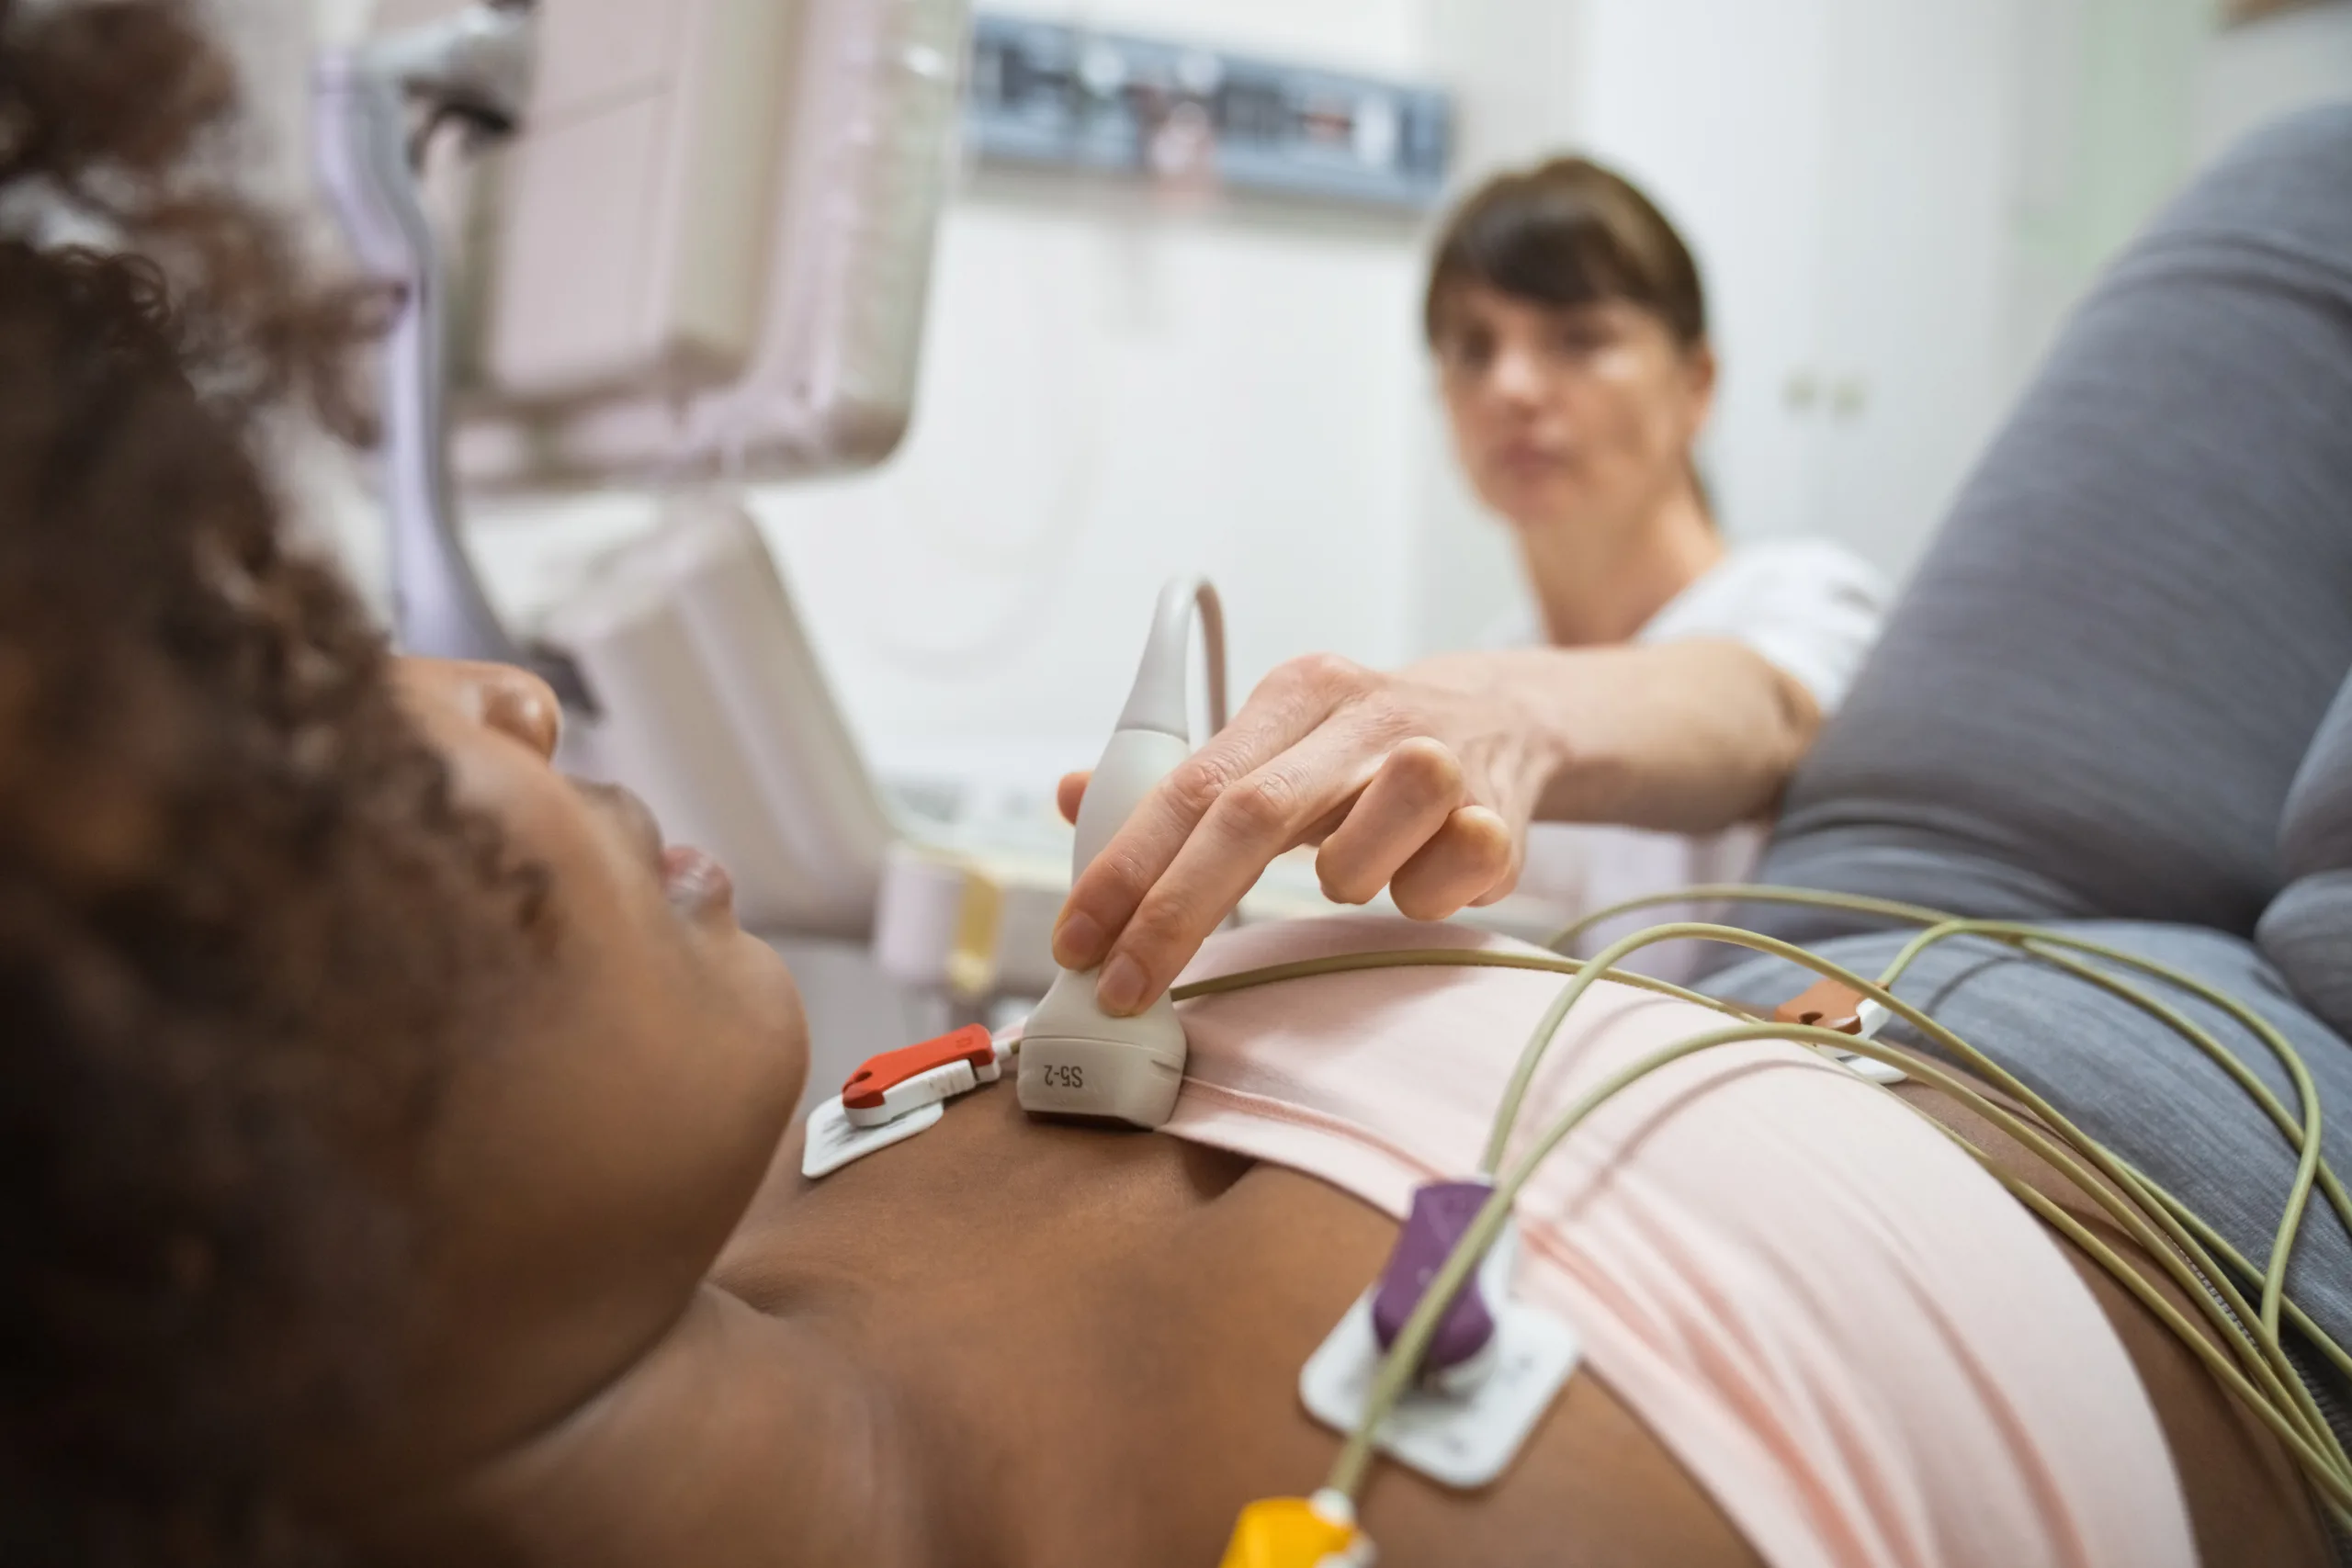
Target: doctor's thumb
(1069, 793)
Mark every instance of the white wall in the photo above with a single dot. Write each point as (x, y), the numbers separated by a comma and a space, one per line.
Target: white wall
(2266, 68)
(1919, 195)
(2106, 133)
(1109, 399)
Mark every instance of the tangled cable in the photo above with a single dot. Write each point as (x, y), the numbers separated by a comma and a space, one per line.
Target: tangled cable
(2251, 1360)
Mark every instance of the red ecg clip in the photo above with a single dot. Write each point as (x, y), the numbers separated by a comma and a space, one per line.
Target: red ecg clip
(886, 1086)
(1825, 1004)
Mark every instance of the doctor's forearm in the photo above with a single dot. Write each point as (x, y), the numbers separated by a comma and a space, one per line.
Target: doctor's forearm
(1686, 737)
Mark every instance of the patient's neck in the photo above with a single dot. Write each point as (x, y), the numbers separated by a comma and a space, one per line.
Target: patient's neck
(1600, 584)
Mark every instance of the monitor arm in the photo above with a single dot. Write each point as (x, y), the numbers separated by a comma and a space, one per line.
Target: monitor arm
(473, 68)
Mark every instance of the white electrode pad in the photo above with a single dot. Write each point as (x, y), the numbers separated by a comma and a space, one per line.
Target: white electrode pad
(1464, 1440)
(1871, 1068)
(834, 1143)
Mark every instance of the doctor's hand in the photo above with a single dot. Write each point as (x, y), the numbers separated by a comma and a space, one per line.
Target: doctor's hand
(1421, 781)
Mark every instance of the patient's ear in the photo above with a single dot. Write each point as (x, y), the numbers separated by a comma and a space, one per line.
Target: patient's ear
(2307, 930)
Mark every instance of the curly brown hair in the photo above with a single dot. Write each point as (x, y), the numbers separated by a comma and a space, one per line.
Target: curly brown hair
(242, 922)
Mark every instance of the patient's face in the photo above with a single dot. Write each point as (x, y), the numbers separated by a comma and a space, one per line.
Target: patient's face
(1580, 418)
(586, 1166)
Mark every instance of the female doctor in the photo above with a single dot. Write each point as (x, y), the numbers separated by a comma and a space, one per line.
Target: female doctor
(1673, 684)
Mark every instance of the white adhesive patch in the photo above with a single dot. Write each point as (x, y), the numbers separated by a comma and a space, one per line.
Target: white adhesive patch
(1873, 1069)
(1465, 1441)
(834, 1143)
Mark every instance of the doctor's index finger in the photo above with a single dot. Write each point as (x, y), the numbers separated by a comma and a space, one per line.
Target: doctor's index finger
(1275, 807)
(1108, 892)
(1279, 714)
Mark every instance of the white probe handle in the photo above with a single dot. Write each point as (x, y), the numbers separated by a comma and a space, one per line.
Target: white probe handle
(1076, 1059)
(1134, 761)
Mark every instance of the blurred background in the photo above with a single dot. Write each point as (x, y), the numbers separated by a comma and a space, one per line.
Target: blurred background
(1894, 202)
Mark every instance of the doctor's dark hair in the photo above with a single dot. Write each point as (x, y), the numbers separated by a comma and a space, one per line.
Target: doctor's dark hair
(240, 914)
(1565, 234)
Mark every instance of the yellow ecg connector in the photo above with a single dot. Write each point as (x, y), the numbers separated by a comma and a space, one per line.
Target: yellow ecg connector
(1299, 1532)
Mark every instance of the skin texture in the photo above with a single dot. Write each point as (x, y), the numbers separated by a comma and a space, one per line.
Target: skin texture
(642, 1091)
(641, 1338)
(1576, 426)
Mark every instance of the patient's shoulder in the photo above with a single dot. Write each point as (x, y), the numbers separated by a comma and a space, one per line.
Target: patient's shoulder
(739, 1435)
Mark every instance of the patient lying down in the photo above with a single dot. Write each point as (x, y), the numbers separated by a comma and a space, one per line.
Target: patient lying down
(607, 1321)
(1814, 1332)
(399, 1166)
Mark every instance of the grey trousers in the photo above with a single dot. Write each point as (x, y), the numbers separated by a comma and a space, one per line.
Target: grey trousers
(2110, 701)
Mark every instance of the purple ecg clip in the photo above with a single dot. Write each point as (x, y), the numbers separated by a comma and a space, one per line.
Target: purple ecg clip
(1441, 1215)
